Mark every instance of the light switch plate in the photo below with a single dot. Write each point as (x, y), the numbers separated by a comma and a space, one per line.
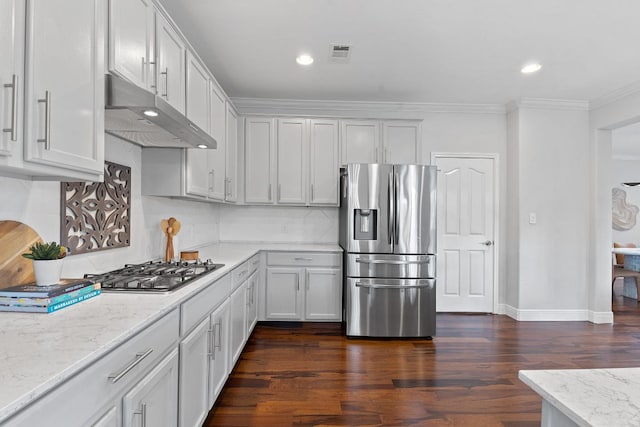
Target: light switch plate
(533, 219)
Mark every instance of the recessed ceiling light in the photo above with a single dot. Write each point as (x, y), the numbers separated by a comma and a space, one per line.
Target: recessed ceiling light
(202, 146)
(304, 59)
(150, 113)
(530, 68)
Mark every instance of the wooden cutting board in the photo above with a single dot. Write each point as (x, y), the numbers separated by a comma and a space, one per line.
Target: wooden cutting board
(15, 239)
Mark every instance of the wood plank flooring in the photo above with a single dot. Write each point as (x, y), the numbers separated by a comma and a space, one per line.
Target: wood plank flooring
(311, 375)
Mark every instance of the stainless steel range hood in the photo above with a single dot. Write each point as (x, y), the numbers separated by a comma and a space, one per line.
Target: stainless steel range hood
(143, 118)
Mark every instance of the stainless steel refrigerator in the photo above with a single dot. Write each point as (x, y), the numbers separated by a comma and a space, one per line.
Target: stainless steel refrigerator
(388, 234)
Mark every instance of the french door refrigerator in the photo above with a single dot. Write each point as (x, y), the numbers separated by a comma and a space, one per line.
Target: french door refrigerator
(388, 234)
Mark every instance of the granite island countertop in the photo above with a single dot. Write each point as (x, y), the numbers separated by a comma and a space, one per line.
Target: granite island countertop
(590, 397)
(40, 351)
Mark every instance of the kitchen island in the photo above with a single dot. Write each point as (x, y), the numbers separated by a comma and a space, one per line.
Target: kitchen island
(587, 397)
(41, 353)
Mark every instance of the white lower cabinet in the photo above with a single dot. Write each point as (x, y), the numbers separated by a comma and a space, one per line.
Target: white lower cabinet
(252, 301)
(110, 419)
(237, 328)
(303, 286)
(153, 401)
(203, 366)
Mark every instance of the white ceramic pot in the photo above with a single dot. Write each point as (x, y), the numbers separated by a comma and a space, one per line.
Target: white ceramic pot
(47, 271)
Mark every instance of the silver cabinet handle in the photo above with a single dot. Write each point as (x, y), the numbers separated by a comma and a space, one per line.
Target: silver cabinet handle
(154, 77)
(218, 335)
(143, 414)
(306, 279)
(303, 259)
(242, 273)
(165, 73)
(14, 108)
(47, 118)
(487, 243)
(298, 282)
(139, 358)
(211, 180)
(269, 192)
(382, 261)
(312, 195)
(210, 350)
(279, 192)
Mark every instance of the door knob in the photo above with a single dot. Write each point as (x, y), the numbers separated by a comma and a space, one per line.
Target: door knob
(487, 243)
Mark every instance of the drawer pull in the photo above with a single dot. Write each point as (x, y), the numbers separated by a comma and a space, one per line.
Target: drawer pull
(143, 414)
(139, 358)
(303, 259)
(391, 262)
(242, 273)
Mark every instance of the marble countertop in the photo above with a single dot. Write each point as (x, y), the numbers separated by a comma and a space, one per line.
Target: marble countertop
(590, 397)
(39, 351)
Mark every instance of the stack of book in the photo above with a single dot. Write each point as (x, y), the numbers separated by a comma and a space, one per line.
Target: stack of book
(47, 299)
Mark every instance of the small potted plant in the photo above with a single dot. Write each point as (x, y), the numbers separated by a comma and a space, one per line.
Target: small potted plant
(47, 262)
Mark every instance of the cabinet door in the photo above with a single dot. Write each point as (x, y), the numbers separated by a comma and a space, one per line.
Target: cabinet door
(197, 93)
(131, 41)
(219, 366)
(231, 166)
(324, 161)
(11, 73)
(402, 140)
(282, 291)
(323, 294)
(217, 159)
(171, 60)
(65, 98)
(259, 146)
(197, 173)
(195, 354)
(238, 312)
(252, 303)
(154, 400)
(292, 161)
(360, 141)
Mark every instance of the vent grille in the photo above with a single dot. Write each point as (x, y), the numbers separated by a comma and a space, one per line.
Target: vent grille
(340, 53)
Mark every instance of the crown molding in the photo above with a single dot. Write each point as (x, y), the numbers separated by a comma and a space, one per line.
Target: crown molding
(548, 104)
(615, 95)
(267, 106)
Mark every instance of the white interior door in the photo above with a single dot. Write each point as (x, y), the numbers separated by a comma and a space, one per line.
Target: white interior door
(466, 233)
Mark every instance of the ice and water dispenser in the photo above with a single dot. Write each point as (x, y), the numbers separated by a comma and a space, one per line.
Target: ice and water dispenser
(366, 224)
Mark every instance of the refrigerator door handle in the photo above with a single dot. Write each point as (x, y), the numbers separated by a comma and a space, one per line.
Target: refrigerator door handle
(391, 206)
(396, 190)
(382, 261)
(364, 285)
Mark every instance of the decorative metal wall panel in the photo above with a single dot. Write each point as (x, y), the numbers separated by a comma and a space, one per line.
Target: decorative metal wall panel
(96, 215)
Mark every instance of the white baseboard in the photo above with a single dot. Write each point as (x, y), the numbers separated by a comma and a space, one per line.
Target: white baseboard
(532, 315)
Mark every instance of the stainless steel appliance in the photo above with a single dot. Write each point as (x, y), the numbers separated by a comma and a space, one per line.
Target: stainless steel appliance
(154, 276)
(388, 234)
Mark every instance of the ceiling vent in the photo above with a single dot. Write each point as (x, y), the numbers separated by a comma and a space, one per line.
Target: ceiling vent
(340, 53)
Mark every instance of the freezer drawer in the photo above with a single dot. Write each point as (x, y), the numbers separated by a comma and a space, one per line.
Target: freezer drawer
(391, 266)
(390, 307)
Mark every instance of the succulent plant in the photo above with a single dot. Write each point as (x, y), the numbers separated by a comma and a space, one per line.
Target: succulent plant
(44, 251)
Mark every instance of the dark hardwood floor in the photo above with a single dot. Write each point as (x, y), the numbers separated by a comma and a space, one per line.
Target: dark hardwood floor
(311, 375)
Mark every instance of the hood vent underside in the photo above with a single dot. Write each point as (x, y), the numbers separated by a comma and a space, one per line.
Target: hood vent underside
(125, 118)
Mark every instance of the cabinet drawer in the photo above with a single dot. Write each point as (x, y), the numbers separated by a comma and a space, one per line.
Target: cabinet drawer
(240, 274)
(304, 259)
(254, 263)
(203, 303)
(77, 401)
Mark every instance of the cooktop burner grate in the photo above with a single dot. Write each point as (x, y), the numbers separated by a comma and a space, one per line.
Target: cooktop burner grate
(153, 276)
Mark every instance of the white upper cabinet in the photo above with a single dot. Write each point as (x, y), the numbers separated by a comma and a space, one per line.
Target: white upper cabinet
(360, 141)
(131, 41)
(217, 157)
(292, 161)
(197, 172)
(323, 162)
(259, 146)
(197, 93)
(231, 166)
(171, 64)
(402, 140)
(64, 100)
(11, 74)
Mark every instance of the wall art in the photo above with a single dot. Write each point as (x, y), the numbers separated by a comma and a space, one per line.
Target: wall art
(95, 216)
(624, 214)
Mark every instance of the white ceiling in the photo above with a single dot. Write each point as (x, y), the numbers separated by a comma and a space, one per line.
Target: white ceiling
(440, 51)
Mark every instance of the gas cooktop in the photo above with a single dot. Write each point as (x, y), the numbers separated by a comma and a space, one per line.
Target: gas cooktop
(153, 276)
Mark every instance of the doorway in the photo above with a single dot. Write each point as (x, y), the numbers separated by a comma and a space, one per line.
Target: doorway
(467, 261)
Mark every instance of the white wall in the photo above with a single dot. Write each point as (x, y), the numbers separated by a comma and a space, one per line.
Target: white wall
(37, 204)
(553, 182)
